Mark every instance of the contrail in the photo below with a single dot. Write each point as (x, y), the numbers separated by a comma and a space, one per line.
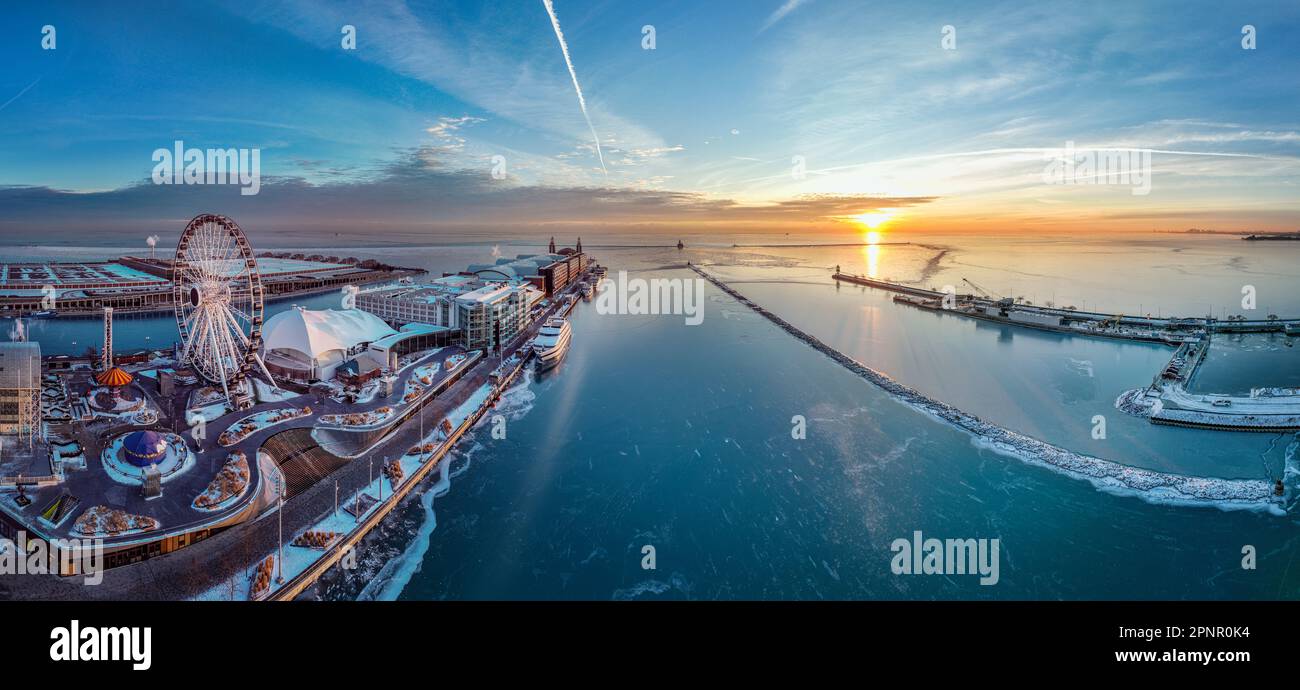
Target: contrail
(582, 102)
(20, 93)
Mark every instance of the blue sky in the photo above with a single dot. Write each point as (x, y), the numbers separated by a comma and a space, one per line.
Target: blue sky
(701, 132)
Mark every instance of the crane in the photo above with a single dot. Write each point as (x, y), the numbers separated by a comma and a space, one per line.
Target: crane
(1003, 302)
(982, 292)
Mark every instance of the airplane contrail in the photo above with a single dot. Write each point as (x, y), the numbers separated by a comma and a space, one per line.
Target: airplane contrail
(582, 102)
(20, 93)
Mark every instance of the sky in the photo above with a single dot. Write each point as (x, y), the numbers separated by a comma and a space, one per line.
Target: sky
(457, 119)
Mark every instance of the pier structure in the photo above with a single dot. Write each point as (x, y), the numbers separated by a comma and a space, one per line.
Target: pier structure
(1167, 400)
(1168, 330)
(285, 446)
(142, 285)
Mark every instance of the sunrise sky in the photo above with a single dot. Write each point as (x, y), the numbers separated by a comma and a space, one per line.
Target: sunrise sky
(705, 134)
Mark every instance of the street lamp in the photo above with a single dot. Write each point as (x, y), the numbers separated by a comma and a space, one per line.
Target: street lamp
(280, 513)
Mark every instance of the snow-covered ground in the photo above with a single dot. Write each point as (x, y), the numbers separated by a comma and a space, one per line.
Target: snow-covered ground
(153, 373)
(102, 521)
(258, 421)
(355, 419)
(230, 485)
(208, 413)
(265, 393)
(68, 455)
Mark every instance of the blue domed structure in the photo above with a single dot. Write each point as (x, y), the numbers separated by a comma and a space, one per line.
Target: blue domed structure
(144, 448)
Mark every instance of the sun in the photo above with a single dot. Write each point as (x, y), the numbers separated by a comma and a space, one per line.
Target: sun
(873, 220)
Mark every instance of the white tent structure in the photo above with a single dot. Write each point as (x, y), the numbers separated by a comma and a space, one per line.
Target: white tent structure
(309, 345)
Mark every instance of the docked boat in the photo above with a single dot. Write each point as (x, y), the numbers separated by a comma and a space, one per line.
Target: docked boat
(552, 342)
(587, 290)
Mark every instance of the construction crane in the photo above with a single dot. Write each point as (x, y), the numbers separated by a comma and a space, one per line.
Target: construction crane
(982, 292)
(991, 296)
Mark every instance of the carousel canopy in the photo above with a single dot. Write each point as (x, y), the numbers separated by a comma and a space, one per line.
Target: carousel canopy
(144, 448)
(113, 377)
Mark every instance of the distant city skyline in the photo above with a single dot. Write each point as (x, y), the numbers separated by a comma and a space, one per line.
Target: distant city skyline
(771, 116)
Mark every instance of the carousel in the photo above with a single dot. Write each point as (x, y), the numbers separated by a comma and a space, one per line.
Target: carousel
(128, 456)
(114, 393)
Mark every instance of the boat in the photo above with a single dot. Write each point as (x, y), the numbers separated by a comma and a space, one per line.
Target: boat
(586, 290)
(552, 342)
(42, 314)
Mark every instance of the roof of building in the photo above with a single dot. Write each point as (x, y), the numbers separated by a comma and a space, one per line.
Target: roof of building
(144, 448)
(487, 294)
(20, 365)
(316, 332)
(114, 376)
(410, 330)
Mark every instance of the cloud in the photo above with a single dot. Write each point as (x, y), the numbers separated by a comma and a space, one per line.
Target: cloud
(786, 8)
(408, 200)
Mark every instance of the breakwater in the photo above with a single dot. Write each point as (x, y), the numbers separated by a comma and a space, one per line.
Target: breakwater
(1149, 485)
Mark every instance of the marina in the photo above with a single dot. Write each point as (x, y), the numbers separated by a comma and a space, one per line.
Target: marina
(1167, 400)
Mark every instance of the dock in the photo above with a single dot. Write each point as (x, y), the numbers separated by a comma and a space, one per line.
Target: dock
(1167, 400)
(1167, 330)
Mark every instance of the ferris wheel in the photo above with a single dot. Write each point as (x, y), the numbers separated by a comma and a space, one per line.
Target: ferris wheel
(217, 293)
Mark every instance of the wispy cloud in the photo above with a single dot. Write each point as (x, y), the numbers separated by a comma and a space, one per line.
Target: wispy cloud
(786, 8)
(573, 74)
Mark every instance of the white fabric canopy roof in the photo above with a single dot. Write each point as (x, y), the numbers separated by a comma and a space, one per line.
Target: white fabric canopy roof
(315, 333)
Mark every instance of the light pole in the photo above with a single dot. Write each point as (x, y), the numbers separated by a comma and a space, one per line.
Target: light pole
(280, 513)
(336, 498)
(381, 480)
